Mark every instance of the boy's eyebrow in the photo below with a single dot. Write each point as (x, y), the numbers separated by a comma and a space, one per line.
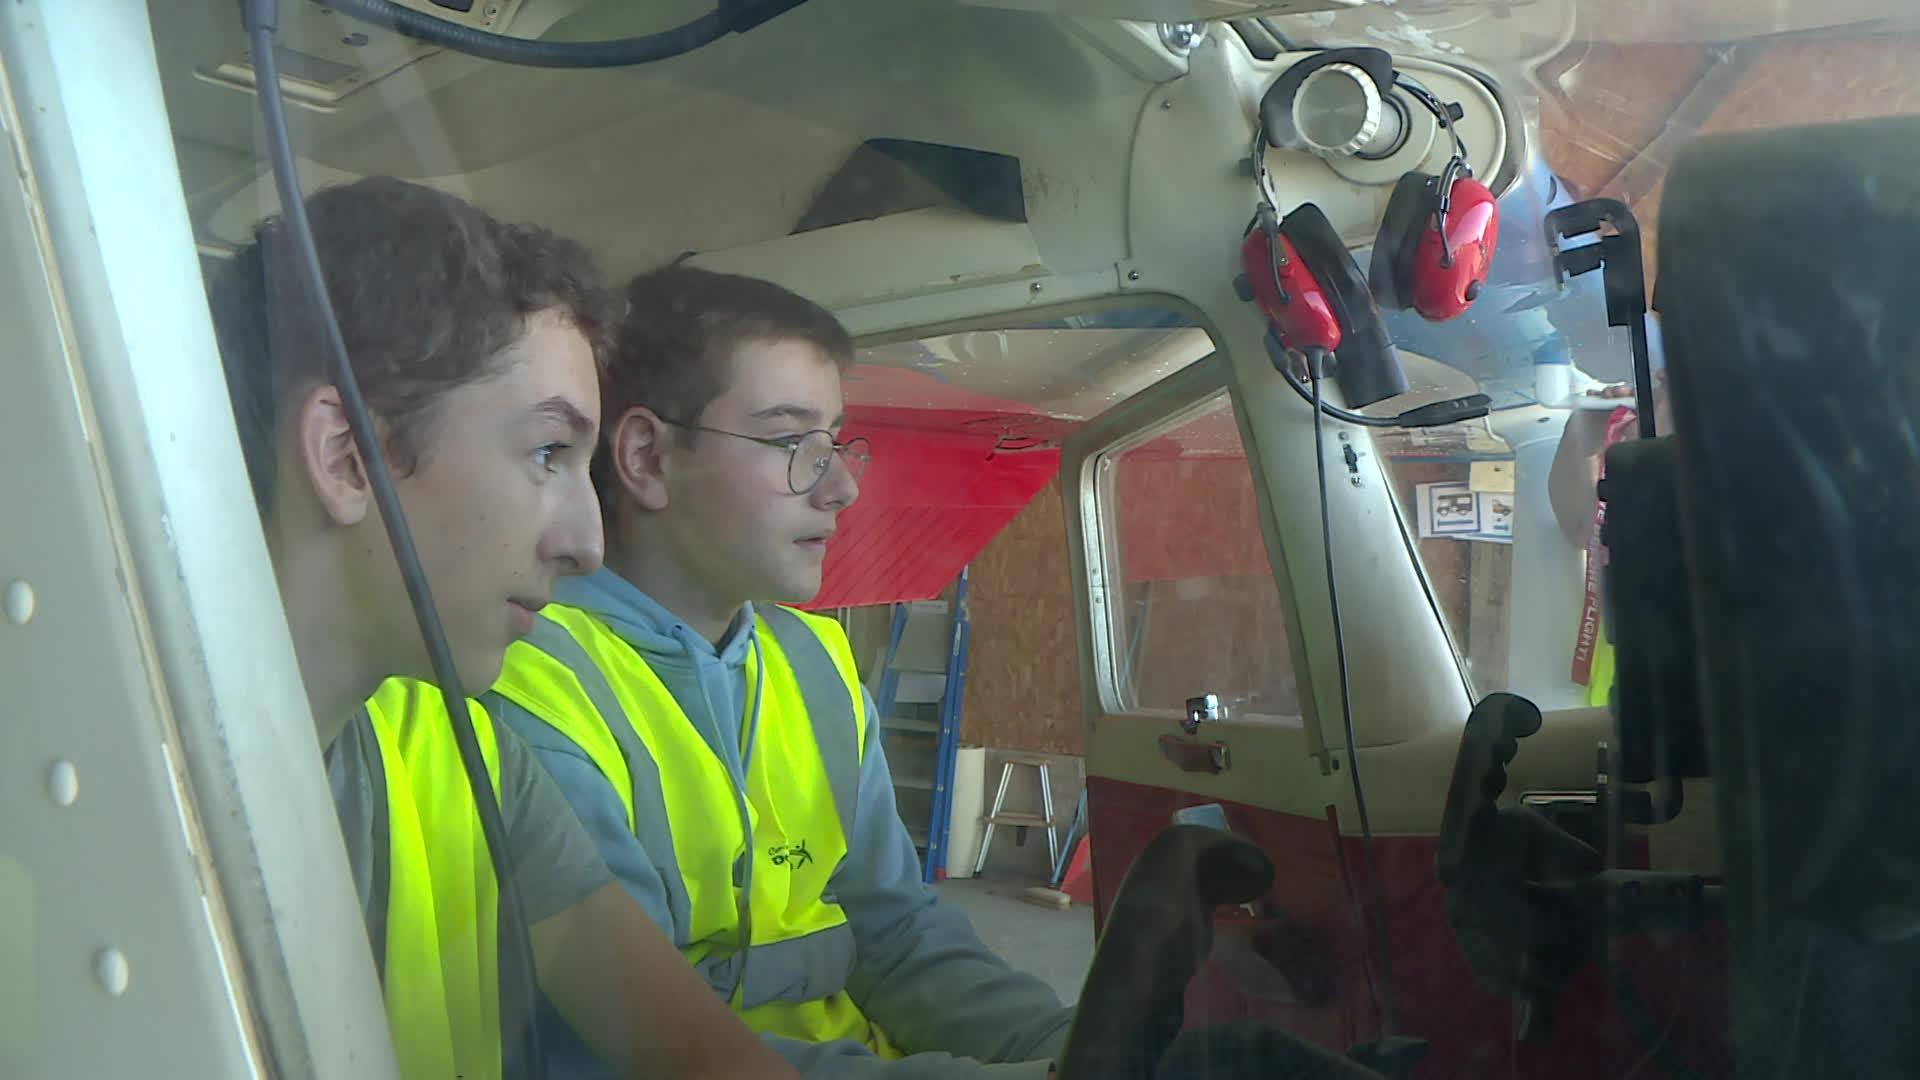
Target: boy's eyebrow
(566, 412)
(789, 411)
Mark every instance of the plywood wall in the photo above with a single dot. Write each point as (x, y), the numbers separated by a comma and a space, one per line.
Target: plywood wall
(1202, 613)
(1023, 673)
(1446, 560)
(1197, 631)
(1213, 635)
(1616, 114)
(1606, 102)
(1470, 580)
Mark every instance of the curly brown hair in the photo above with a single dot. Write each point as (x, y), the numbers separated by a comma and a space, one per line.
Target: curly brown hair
(429, 292)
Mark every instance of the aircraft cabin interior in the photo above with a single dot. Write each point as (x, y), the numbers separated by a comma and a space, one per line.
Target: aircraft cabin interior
(1390, 525)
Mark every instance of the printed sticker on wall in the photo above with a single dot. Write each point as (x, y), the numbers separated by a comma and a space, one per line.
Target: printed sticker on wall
(1454, 511)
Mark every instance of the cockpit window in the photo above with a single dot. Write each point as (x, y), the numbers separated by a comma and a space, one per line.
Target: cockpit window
(1507, 564)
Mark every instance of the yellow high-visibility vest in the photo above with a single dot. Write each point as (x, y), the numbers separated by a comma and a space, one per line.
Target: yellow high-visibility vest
(761, 926)
(439, 948)
(1600, 682)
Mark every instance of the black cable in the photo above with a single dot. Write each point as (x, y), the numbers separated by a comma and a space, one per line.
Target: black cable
(1383, 947)
(1267, 219)
(1642, 374)
(1653, 1052)
(1433, 414)
(1633, 1009)
(261, 19)
(1442, 113)
(1792, 1052)
(1286, 43)
(731, 16)
(1456, 165)
(1321, 406)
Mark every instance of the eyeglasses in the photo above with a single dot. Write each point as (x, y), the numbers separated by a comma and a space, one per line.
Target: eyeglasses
(809, 455)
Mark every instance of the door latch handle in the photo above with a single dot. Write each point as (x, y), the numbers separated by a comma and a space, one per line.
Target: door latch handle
(1195, 756)
(1203, 709)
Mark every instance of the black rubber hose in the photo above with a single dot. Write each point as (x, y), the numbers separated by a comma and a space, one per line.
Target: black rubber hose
(517, 976)
(621, 52)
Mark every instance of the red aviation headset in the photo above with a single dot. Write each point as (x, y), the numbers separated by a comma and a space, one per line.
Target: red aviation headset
(1436, 241)
(1316, 300)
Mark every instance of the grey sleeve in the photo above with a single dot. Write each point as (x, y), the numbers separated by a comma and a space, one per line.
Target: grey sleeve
(555, 862)
(921, 972)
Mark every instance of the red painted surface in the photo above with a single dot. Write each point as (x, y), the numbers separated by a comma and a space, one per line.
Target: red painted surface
(951, 467)
(1078, 882)
(936, 492)
(1320, 885)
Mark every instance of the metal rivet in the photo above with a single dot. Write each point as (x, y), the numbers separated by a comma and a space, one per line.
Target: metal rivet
(63, 783)
(1034, 288)
(1354, 480)
(1166, 103)
(111, 968)
(354, 40)
(19, 602)
(1133, 275)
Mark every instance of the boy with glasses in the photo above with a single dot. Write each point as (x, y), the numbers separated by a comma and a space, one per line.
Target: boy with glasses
(719, 746)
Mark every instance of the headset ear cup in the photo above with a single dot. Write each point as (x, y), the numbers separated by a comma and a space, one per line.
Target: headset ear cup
(1448, 273)
(1315, 238)
(1369, 369)
(1389, 270)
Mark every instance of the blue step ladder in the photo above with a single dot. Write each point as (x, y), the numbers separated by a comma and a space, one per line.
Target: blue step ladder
(922, 684)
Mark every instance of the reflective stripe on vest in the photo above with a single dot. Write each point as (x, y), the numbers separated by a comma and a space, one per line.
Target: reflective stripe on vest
(439, 959)
(582, 679)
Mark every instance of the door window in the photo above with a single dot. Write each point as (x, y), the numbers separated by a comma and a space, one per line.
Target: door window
(1194, 608)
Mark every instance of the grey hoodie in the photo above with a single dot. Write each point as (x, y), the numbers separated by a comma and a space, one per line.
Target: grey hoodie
(920, 971)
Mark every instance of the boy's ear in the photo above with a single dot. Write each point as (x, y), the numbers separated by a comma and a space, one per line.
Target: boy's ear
(325, 453)
(636, 447)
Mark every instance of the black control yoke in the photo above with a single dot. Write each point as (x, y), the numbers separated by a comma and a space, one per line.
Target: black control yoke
(1529, 903)
(1159, 932)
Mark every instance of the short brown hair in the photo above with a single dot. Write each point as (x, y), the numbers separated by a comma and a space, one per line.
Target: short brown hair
(674, 349)
(429, 292)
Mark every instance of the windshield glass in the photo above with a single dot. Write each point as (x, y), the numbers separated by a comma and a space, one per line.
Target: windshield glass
(1603, 101)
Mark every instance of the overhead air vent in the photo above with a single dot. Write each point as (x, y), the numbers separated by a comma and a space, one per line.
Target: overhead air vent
(893, 176)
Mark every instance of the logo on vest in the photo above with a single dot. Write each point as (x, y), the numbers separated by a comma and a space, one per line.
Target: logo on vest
(791, 856)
